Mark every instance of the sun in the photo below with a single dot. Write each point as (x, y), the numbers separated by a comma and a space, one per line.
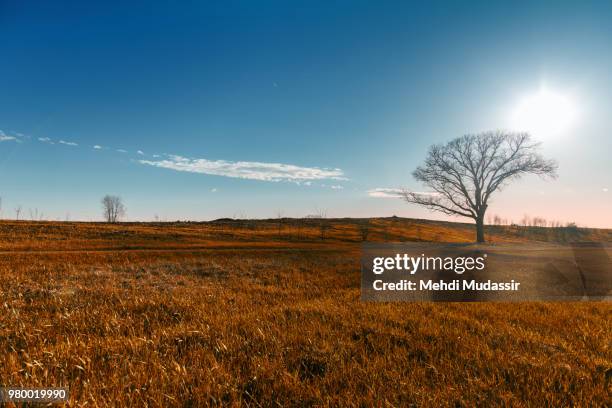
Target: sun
(544, 114)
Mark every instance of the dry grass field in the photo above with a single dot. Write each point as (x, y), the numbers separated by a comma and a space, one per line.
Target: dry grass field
(267, 313)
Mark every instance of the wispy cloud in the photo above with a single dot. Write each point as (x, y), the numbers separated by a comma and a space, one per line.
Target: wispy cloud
(7, 138)
(385, 192)
(247, 170)
(48, 140)
(67, 143)
(235, 169)
(396, 193)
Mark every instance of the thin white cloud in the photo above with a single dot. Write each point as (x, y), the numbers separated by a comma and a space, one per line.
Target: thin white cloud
(7, 138)
(605, 189)
(140, 152)
(396, 193)
(213, 190)
(122, 151)
(247, 170)
(67, 143)
(47, 140)
(97, 147)
(337, 187)
(385, 192)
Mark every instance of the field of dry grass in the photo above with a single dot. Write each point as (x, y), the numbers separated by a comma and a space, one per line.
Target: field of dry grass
(268, 313)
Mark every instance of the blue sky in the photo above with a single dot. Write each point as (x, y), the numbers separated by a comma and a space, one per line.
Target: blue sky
(347, 96)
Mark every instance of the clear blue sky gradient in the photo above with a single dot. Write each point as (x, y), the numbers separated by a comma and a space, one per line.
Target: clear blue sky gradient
(364, 87)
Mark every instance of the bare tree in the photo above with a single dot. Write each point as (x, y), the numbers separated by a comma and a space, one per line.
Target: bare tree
(466, 171)
(321, 215)
(113, 208)
(526, 220)
(35, 215)
(17, 212)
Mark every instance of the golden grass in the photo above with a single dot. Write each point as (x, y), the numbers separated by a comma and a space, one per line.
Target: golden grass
(198, 315)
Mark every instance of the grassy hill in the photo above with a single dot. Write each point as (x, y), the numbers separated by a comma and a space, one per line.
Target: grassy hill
(43, 235)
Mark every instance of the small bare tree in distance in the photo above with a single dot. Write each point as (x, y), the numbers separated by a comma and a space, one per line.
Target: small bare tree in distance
(113, 208)
(466, 171)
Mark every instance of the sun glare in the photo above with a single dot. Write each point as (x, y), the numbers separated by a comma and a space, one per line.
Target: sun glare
(544, 114)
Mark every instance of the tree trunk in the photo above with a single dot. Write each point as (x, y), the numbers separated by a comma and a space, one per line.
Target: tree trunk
(480, 236)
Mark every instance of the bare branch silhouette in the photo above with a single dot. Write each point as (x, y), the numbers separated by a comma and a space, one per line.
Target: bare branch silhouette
(112, 208)
(466, 171)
